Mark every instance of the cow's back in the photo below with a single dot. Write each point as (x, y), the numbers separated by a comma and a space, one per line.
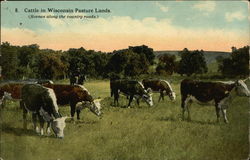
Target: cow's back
(32, 95)
(67, 94)
(205, 91)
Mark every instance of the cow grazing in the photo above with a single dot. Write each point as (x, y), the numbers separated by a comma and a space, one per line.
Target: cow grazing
(162, 86)
(219, 93)
(72, 94)
(96, 109)
(6, 96)
(41, 101)
(131, 88)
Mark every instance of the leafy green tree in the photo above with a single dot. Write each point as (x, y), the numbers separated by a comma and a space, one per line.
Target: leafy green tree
(237, 64)
(50, 66)
(167, 64)
(148, 52)
(9, 61)
(192, 62)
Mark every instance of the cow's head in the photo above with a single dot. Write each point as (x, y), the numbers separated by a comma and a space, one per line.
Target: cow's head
(241, 88)
(58, 126)
(172, 95)
(147, 97)
(96, 107)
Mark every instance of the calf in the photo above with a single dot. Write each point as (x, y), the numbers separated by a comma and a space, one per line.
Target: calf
(219, 93)
(41, 101)
(72, 94)
(161, 86)
(131, 88)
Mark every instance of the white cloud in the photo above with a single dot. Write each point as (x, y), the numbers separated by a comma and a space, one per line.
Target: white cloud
(162, 7)
(234, 16)
(207, 6)
(120, 32)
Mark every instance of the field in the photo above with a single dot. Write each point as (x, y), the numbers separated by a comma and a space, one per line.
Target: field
(137, 133)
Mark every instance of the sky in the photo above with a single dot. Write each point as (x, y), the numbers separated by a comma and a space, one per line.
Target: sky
(161, 25)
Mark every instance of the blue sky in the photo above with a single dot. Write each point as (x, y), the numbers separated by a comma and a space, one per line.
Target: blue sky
(178, 17)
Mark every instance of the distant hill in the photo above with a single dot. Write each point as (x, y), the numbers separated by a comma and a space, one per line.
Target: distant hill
(210, 56)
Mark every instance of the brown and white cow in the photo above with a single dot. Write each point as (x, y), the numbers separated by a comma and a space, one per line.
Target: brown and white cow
(13, 88)
(204, 92)
(41, 101)
(72, 94)
(159, 85)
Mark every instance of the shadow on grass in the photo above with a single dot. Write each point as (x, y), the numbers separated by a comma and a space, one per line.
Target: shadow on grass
(175, 119)
(84, 122)
(23, 132)
(17, 131)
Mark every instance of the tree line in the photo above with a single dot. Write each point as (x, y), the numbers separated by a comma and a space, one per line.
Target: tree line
(29, 61)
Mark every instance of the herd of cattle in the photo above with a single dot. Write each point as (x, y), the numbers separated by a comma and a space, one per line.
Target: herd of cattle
(42, 98)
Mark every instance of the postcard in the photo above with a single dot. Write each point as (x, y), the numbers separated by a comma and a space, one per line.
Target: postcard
(124, 80)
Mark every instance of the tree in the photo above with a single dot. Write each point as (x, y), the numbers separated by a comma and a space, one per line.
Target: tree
(148, 52)
(237, 64)
(9, 61)
(167, 64)
(50, 66)
(192, 62)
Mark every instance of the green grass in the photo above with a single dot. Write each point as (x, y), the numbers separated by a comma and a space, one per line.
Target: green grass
(137, 133)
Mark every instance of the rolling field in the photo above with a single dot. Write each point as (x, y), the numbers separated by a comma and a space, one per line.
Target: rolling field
(137, 133)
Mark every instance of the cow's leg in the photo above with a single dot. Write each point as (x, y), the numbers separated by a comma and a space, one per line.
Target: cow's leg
(130, 100)
(224, 113)
(185, 104)
(41, 120)
(24, 114)
(78, 111)
(116, 97)
(161, 96)
(48, 128)
(34, 119)
(183, 99)
(138, 101)
(217, 109)
(72, 110)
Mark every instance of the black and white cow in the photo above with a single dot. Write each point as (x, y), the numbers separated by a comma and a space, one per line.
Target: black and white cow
(204, 92)
(41, 101)
(131, 88)
(159, 85)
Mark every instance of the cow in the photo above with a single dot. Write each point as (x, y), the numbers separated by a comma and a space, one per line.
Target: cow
(131, 88)
(6, 96)
(96, 109)
(77, 79)
(159, 85)
(41, 101)
(72, 94)
(204, 92)
(13, 88)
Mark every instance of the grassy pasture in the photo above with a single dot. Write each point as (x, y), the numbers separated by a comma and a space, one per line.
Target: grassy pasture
(137, 133)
